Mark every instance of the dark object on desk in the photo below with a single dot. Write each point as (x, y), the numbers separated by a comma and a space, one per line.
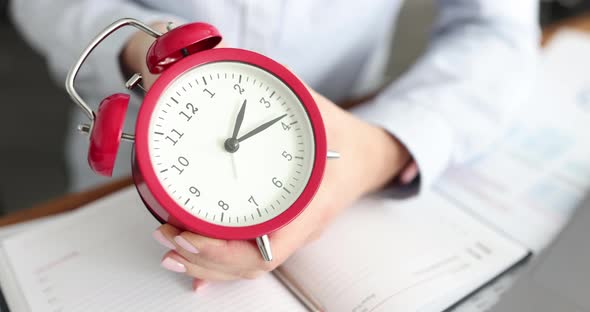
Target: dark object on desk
(559, 279)
(2, 211)
(557, 10)
(3, 304)
(3, 13)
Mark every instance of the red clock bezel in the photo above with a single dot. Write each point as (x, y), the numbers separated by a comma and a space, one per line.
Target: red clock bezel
(177, 214)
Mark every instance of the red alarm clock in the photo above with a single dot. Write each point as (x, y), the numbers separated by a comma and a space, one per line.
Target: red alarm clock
(228, 143)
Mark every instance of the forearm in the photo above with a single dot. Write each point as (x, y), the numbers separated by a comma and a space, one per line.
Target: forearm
(133, 54)
(457, 99)
(370, 156)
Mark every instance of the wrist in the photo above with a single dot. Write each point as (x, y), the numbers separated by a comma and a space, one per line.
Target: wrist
(133, 54)
(385, 158)
(371, 156)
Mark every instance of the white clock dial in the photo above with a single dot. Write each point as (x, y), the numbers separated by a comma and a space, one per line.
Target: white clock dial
(194, 118)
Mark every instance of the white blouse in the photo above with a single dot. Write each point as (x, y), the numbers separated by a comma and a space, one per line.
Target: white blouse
(451, 105)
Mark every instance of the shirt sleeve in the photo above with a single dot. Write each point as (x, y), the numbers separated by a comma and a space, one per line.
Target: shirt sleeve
(61, 29)
(455, 101)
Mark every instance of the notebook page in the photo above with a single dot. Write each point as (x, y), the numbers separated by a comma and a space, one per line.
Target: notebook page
(8, 285)
(387, 255)
(9, 230)
(539, 172)
(103, 258)
(555, 153)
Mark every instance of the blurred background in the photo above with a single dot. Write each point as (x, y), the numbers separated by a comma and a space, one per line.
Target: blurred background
(35, 109)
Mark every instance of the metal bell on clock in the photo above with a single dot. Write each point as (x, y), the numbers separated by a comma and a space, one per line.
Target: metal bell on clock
(106, 125)
(180, 42)
(106, 133)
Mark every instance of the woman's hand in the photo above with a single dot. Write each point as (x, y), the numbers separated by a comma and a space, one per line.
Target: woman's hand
(133, 55)
(371, 157)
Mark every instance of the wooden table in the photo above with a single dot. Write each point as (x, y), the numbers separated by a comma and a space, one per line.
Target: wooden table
(64, 203)
(72, 201)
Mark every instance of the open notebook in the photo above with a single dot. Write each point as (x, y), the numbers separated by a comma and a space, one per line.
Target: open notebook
(423, 254)
(381, 255)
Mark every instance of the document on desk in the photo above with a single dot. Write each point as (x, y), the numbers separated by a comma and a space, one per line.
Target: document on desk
(528, 185)
(540, 171)
(380, 255)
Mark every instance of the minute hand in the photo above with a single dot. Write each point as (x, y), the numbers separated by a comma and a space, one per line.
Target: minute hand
(260, 128)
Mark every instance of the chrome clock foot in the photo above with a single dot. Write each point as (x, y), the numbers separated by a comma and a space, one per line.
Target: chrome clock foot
(333, 155)
(264, 247)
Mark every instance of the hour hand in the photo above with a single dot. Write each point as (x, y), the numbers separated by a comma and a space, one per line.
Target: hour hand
(260, 128)
(231, 144)
(239, 120)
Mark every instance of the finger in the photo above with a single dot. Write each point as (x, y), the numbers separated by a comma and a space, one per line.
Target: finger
(192, 254)
(232, 256)
(174, 262)
(236, 257)
(169, 236)
(165, 234)
(221, 44)
(198, 284)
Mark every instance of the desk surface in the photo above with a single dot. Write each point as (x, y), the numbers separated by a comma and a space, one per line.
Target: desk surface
(64, 203)
(72, 201)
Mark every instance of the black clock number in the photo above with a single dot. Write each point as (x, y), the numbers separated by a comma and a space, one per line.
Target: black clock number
(239, 89)
(174, 136)
(192, 110)
(252, 201)
(285, 126)
(223, 205)
(265, 102)
(195, 191)
(277, 182)
(288, 156)
(212, 94)
(182, 162)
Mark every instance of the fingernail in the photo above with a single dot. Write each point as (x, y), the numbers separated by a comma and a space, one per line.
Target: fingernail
(182, 242)
(198, 284)
(160, 238)
(173, 265)
(409, 174)
(407, 178)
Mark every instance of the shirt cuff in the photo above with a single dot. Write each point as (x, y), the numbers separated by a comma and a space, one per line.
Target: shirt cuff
(425, 134)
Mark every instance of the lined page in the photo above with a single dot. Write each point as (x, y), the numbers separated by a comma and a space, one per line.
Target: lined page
(102, 258)
(539, 172)
(387, 255)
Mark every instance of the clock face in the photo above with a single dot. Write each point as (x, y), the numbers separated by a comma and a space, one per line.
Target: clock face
(224, 179)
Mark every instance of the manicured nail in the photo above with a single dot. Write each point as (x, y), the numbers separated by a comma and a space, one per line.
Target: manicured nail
(160, 238)
(182, 242)
(170, 264)
(198, 284)
(409, 174)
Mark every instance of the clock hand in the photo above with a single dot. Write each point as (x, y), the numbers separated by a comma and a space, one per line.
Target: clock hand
(260, 128)
(234, 166)
(239, 120)
(232, 144)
